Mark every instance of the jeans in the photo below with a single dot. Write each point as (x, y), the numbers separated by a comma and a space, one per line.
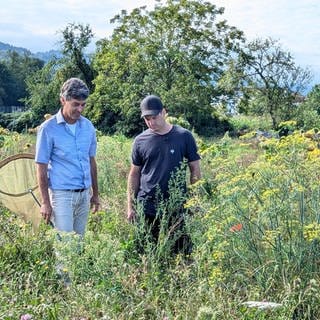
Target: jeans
(70, 210)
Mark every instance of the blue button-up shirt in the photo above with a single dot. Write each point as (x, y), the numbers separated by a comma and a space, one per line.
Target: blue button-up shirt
(67, 155)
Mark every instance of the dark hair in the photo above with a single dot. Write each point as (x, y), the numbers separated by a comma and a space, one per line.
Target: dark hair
(74, 88)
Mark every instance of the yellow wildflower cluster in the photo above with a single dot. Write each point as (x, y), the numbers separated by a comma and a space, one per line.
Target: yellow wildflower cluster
(216, 275)
(4, 131)
(311, 231)
(291, 124)
(191, 203)
(270, 193)
(313, 154)
(207, 150)
(248, 135)
(270, 237)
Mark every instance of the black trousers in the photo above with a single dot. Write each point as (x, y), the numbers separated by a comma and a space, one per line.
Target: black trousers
(173, 227)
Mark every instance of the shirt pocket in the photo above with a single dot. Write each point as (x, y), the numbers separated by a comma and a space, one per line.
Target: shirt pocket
(63, 148)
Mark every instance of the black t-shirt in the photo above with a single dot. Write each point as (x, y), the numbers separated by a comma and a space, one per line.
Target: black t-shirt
(160, 156)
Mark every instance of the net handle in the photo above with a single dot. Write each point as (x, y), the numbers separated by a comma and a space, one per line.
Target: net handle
(12, 158)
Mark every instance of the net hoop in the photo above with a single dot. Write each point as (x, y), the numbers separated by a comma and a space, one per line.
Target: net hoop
(12, 158)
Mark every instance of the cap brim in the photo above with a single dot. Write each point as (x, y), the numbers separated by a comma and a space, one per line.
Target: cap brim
(150, 113)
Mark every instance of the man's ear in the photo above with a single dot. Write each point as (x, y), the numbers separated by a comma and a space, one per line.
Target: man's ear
(62, 100)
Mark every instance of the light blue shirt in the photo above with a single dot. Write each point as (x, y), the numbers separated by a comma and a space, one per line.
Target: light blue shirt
(67, 154)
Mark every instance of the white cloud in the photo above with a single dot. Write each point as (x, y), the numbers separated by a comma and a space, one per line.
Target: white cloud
(294, 23)
(22, 20)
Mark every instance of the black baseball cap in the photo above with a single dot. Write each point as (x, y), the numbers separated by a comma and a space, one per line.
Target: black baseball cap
(151, 106)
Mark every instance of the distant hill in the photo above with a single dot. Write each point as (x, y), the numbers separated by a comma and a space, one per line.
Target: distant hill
(47, 55)
(44, 56)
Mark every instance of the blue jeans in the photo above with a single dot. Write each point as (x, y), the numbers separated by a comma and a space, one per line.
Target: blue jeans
(70, 210)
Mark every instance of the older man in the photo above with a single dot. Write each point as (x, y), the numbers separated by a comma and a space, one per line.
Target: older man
(66, 167)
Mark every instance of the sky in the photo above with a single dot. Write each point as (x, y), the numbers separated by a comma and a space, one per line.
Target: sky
(35, 24)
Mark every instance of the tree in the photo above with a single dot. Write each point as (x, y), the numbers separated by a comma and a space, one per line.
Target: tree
(6, 86)
(266, 79)
(177, 51)
(44, 86)
(308, 111)
(76, 37)
(16, 69)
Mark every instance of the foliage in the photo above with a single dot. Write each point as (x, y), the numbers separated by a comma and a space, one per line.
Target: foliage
(75, 39)
(263, 220)
(242, 123)
(15, 69)
(267, 80)
(308, 111)
(179, 121)
(7, 118)
(12, 142)
(176, 51)
(22, 122)
(43, 87)
(6, 86)
(254, 224)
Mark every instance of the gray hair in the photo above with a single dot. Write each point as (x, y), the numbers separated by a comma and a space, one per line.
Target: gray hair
(74, 88)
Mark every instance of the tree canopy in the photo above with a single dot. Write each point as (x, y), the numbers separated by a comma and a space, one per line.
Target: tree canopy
(44, 86)
(75, 39)
(14, 70)
(266, 79)
(182, 51)
(177, 51)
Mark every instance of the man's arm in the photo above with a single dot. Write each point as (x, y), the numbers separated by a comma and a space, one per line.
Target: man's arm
(94, 201)
(42, 177)
(195, 172)
(132, 190)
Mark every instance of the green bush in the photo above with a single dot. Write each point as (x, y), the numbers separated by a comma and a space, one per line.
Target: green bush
(249, 123)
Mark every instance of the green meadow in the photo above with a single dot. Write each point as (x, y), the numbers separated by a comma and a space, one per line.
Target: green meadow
(253, 219)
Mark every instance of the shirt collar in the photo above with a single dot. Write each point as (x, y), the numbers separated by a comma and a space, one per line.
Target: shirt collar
(60, 118)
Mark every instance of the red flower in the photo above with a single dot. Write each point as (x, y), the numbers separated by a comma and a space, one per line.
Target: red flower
(236, 227)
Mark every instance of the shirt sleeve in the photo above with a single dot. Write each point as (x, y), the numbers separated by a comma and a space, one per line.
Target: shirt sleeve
(43, 146)
(191, 150)
(136, 158)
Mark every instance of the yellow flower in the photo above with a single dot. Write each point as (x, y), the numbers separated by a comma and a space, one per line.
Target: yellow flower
(270, 193)
(218, 255)
(311, 231)
(216, 276)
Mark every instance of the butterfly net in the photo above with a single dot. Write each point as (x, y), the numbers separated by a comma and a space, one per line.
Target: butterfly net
(19, 190)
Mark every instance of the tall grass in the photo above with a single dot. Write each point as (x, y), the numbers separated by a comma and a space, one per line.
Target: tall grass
(254, 224)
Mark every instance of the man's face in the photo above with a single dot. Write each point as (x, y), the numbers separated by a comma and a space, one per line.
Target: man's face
(155, 123)
(72, 109)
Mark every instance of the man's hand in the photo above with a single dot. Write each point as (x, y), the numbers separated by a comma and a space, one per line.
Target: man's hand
(131, 215)
(46, 211)
(94, 204)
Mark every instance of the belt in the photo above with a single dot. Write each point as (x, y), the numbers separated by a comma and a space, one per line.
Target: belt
(77, 190)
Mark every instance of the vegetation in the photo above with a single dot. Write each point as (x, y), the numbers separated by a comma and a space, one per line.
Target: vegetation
(266, 80)
(254, 223)
(176, 51)
(253, 218)
(202, 68)
(14, 69)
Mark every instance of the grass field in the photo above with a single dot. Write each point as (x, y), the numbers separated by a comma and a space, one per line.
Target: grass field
(254, 222)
